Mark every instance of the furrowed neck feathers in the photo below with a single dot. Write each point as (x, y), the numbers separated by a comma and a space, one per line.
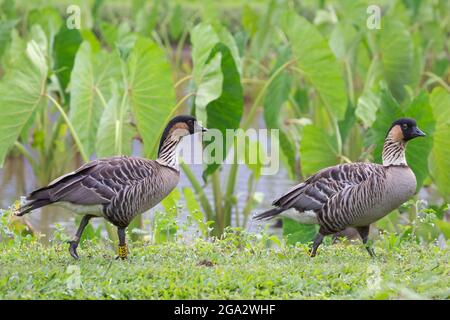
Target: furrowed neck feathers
(167, 155)
(393, 152)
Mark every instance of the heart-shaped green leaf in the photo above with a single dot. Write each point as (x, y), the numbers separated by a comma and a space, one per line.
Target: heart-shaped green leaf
(440, 164)
(317, 150)
(316, 62)
(90, 87)
(22, 92)
(150, 90)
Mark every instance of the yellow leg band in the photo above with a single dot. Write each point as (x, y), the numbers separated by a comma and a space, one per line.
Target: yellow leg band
(123, 251)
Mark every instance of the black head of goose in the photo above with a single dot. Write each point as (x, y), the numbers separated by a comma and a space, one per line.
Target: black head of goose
(353, 194)
(117, 188)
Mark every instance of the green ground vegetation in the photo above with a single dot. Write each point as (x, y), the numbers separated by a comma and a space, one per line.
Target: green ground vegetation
(240, 266)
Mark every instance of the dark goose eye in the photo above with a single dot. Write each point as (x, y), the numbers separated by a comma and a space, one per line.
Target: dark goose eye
(405, 126)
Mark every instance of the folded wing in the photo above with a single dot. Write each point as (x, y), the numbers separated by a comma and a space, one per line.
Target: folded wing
(319, 188)
(96, 182)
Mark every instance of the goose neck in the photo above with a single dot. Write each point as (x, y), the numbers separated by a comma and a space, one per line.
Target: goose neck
(167, 154)
(393, 152)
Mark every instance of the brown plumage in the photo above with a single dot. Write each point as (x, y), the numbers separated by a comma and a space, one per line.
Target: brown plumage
(117, 188)
(353, 194)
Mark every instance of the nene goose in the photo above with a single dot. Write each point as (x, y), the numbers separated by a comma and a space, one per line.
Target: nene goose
(117, 188)
(354, 194)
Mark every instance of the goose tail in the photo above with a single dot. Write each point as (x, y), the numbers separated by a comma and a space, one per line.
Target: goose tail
(30, 206)
(269, 214)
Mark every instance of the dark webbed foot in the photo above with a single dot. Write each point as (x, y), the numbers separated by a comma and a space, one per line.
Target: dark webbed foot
(73, 245)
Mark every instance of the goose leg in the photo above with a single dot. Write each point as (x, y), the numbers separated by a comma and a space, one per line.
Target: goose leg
(364, 233)
(317, 241)
(123, 248)
(76, 240)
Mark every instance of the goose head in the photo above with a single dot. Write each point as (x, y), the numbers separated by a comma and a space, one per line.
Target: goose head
(176, 129)
(405, 129)
(181, 126)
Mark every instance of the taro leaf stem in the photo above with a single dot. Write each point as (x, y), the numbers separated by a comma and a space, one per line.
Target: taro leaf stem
(70, 126)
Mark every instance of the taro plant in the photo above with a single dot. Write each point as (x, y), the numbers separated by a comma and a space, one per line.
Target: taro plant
(332, 88)
(314, 70)
(352, 82)
(108, 98)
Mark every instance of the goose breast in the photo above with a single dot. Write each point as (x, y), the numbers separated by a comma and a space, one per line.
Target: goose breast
(399, 187)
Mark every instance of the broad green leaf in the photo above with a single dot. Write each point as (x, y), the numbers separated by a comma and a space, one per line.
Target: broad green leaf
(22, 91)
(343, 40)
(115, 134)
(249, 20)
(118, 36)
(277, 94)
(317, 150)
(203, 39)
(16, 46)
(5, 33)
(440, 100)
(90, 37)
(38, 35)
(241, 38)
(440, 160)
(90, 91)
(228, 40)
(8, 9)
(151, 93)
(352, 12)
(125, 42)
(210, 87)
(49, 19)
(210, 11)
(146, 22)
(207, 66)
(367, 107)
(266, 29)
(289, 154)
(301, 101)
(396, 50)
(10, 59)
(67, 42)
(109, 33)
(388, 111)
(346, 124)
(176, 22)
(317, 62)
(417, 150)
(298, 232)
(226, 111)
